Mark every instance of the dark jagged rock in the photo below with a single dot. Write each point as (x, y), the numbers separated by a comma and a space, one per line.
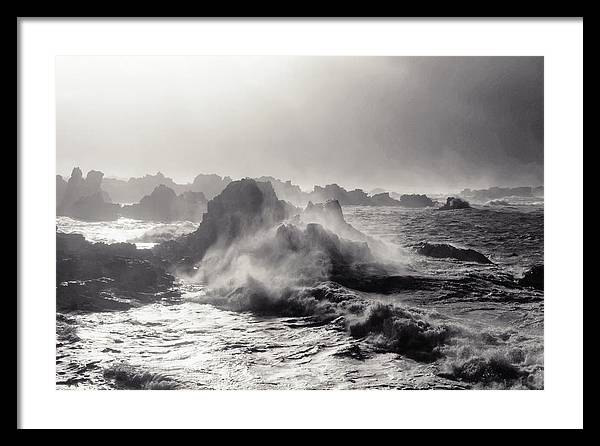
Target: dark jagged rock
(164, 205)
(534, 277)
(445, 251)
(244, 207)
(83, 198)
(99, 277)
(454, 203)
(415, 201)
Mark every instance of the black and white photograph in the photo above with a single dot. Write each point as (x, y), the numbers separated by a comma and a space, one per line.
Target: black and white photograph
(298, 222)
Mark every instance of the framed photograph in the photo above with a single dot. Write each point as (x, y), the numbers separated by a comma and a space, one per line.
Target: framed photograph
(314, 223)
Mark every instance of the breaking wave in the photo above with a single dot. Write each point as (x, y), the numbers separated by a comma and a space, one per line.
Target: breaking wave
(126, 376)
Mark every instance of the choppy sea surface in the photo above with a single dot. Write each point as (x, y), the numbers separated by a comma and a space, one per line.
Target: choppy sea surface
(190, 344)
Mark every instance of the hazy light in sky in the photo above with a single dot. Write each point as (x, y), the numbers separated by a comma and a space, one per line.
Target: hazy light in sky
(403, 123)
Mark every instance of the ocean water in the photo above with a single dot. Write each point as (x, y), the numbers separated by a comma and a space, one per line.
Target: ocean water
(187, 343)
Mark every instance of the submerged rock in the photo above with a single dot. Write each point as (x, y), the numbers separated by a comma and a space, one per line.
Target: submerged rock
(534, 277)
(445, 251)
(454, 203)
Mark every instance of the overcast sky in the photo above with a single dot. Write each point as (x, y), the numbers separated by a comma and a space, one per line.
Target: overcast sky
(407, 124)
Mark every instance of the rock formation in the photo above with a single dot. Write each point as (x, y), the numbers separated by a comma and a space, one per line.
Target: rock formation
(415, 201)
(210, 185)
(454, 203)
(243, 208)
(83, 198)
(445, 251)
(100, 277)
(165, 206)
(383, 199)
(134, 189)
(356, 197)
(287, 191)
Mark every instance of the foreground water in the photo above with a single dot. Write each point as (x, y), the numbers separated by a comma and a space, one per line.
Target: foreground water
(187, 343)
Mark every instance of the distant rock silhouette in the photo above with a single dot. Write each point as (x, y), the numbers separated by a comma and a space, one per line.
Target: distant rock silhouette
(164, 205)
(445, 251)
(83, 198)
(494, 193)
(454, 203)
(287, 191)
(356, 197)
(94, 208)
(415, 201)
(134, 189)
(383, 199)
(210, 185)
(61, 189)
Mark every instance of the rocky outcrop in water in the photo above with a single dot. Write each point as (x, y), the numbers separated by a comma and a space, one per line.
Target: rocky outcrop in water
(454, 203)
(83, 198)
(165, 206)
(415, 201)
(383, 199)
(315, 240)
(445, 251)
(243, 208)
(101, 277)
(533, 277)
(356, 197)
